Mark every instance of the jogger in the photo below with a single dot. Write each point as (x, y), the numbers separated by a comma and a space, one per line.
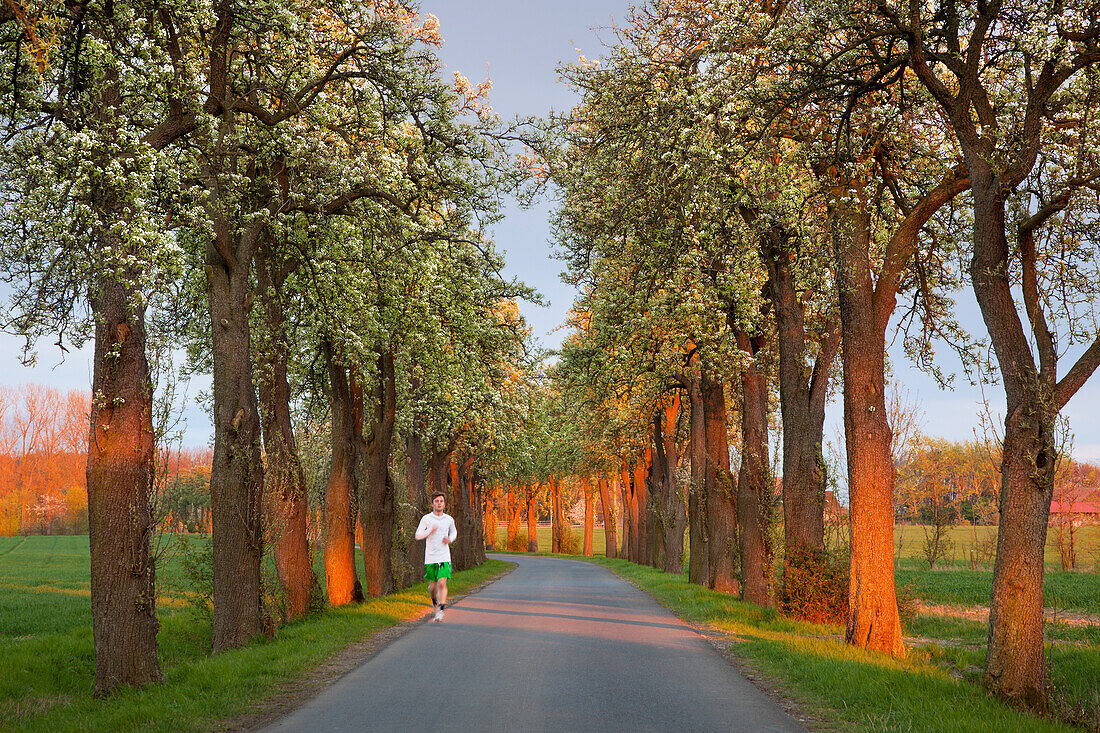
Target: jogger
(439, 530)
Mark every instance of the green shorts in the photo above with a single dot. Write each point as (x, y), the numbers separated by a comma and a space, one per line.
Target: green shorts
(433, 571)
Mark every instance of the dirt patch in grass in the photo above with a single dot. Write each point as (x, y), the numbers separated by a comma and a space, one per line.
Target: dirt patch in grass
(981, 613)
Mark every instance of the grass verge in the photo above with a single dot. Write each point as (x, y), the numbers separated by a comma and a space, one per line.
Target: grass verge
(934, 689)
(46, 677)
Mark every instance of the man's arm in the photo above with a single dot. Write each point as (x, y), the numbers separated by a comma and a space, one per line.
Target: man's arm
(422, 531)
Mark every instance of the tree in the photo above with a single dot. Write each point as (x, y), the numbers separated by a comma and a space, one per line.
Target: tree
(1017, 85)
(87, 195)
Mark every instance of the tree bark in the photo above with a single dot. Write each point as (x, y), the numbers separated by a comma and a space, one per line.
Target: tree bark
(1015, 662)
(236, 476)
(555, 516)
(376, 511)
(489, 528)
(641, 497)
(630, 514)
(720, 491)
(477, 518)
(698, 545)
(285, 495)
(466, 519)
(589, 515)
(418, 498)
(532, 519)
(343, 486)
(120, 481)
(611, 540)
(514, 516)
(754, 487)
(802, 396)
(873, 620)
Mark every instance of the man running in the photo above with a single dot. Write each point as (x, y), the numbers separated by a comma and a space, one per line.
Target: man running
(440, 531)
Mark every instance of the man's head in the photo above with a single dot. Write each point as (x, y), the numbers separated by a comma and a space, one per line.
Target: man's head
(439, 500)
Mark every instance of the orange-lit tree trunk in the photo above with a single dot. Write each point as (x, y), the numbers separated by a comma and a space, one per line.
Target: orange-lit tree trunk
(343, 486)
(698, 534)
(376, 511)
(555, 515)
(610, 531)
(720, 491)
(489, 524)
(641, 497)
(120, 479)
(754, 487)
(532, 517)
(514, 516)
(285, 493)
(872, 603)
(589, 515)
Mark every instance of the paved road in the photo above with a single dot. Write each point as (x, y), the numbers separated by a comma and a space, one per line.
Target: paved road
(555, 645)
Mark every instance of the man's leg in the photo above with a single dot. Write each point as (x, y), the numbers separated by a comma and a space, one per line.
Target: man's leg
(431, 592)
(441, 591)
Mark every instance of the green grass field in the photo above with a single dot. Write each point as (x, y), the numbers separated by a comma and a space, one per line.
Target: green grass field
(47, 665)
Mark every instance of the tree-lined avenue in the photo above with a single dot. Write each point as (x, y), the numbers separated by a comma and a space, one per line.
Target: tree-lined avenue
(553, 645)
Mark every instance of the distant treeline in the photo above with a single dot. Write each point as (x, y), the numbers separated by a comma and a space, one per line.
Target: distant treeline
(43, 458)
(942, 480)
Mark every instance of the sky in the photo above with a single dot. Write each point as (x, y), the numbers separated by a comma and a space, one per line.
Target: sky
(518, 44)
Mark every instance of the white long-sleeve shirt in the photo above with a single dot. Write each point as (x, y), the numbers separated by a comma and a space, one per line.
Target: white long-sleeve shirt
(434, 549)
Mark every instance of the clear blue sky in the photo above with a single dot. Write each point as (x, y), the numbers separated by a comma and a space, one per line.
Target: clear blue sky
(518, 45)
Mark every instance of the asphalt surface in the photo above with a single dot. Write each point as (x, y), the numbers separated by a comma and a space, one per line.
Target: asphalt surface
(555, 645)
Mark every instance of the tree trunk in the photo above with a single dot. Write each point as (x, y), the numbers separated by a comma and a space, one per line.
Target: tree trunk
(466, 520)
(641, 495)
(754, 487)
(376, 511)
(343, 486)
(120, 481)
(802, 403)
(873, 620)
(555, 516)
(720, 491)
(611, 540)
(418, 498)
(236, 476)
(630, 513)
(489, 526)
(589, 515)
(1015, 663)
(514, 515)
(285, 503)
(675, 512)
(532, 520)
(477, 519)
(698, 545)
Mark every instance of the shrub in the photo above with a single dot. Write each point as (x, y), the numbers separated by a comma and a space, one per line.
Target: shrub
(516, 542)
(814, 587)
(570, 541)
